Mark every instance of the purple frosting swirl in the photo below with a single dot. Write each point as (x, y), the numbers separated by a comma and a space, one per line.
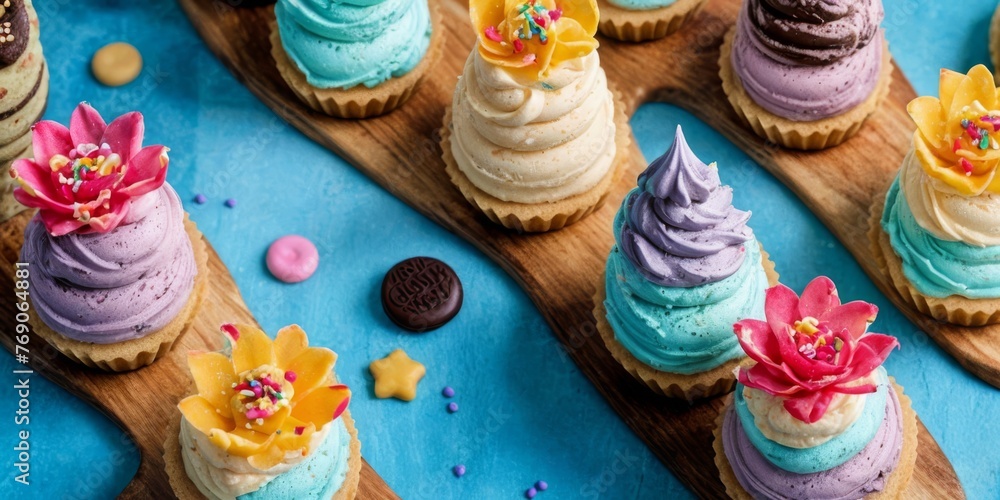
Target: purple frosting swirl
(808, 61)
(117, 286)
(681, 229)
(865, 473)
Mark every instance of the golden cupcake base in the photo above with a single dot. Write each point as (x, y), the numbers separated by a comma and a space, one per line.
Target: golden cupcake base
(814, 135)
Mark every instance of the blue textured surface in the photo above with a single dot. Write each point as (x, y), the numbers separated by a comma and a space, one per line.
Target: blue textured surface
(526, 413)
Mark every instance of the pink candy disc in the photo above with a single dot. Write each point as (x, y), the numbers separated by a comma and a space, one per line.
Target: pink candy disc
(292, 258)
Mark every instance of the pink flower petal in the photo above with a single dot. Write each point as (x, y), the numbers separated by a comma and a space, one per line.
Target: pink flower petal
(146, 171)
(59, 224)
(108, 221)
(757, 340)
(781, 307)
(809, 407)
(91, 189)
(759, 377)
(86, 126)
(49, 138)
(124, 135)
(38, 181)
(852, 316)
(819, 297)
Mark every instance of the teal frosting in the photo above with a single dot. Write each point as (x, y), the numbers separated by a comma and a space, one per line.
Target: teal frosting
(345, 43)
(935, 267)
(317, 477)
(682, 330)
(830, 454)
(641, 4)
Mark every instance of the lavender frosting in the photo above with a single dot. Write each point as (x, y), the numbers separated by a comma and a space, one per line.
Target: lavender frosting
(811, 60)
(865, 473)
(681, 229)
(117, 286)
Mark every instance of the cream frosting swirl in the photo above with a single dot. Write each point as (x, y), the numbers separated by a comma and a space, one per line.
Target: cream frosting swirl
(944, 212)
(538, 142)
(219, 475)
(776, 424)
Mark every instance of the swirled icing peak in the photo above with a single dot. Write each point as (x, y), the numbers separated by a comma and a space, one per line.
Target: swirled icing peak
(958, 135)
(528, 38)
(816, 32)
(681, 229)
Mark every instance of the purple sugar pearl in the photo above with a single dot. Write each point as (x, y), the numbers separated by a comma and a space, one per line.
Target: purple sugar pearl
(531, 492)
(458, 470)
(542, 485)
(452, 407)
(231, 202)
(200, 199)
(447, 392)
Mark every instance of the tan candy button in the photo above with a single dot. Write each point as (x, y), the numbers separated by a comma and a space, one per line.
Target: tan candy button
(116, 64)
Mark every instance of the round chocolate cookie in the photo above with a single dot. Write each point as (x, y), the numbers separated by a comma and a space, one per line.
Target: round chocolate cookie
(421, 294)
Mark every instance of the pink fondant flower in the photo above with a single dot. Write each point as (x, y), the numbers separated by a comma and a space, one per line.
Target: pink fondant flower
(811, 348)
(84, 178)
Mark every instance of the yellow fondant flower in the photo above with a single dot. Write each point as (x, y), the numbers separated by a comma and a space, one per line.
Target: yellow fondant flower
(268, 398)
(528, 38)
(958, 136)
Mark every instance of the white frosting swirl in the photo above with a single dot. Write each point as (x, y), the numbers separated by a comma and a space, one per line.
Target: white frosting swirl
(778, 425)
(534, 143)
(945, 213)
(221, 476)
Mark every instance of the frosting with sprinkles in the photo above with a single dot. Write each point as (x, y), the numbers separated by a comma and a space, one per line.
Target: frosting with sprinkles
(529, 38)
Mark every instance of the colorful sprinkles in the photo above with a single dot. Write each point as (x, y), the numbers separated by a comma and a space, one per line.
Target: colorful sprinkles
(977, 130)
(535, 21)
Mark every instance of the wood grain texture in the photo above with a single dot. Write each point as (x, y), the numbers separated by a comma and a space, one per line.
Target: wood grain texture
(401, 153)
(139, 402)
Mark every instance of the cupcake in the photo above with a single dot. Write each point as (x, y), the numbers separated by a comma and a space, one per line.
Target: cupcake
(269, 421)
(937, 235)
(117, 269)
(355, 59)
(24, 78)
(684, 268)
(642, 20)
(806, 75)
(534, 138)
(815, 415)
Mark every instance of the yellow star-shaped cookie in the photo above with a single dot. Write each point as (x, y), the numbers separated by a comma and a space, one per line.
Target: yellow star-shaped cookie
(396, 376)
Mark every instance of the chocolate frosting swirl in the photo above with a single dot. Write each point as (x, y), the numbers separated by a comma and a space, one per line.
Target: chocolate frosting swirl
(814, 32)
(681, 229)
(14, 32)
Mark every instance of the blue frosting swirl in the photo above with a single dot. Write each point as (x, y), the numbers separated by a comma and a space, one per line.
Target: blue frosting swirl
(345, 43)
(677, 329)
(317, 477)
(830, 454)
(935, 267)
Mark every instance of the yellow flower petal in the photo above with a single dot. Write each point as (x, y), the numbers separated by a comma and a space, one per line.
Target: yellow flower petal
(267, 458)
(322, 405)
(929, 116)
(213, 375)
(200, 413)
(948, 84)
(585, 12)
(289, 343)
(311, 368)
(570, 36)
(243, 442)
(950, 173)
(976, 86)
(252, 349)
(290, 440)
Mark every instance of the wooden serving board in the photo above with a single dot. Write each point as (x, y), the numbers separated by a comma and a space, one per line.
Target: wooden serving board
(558, 270)
(142, 402)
